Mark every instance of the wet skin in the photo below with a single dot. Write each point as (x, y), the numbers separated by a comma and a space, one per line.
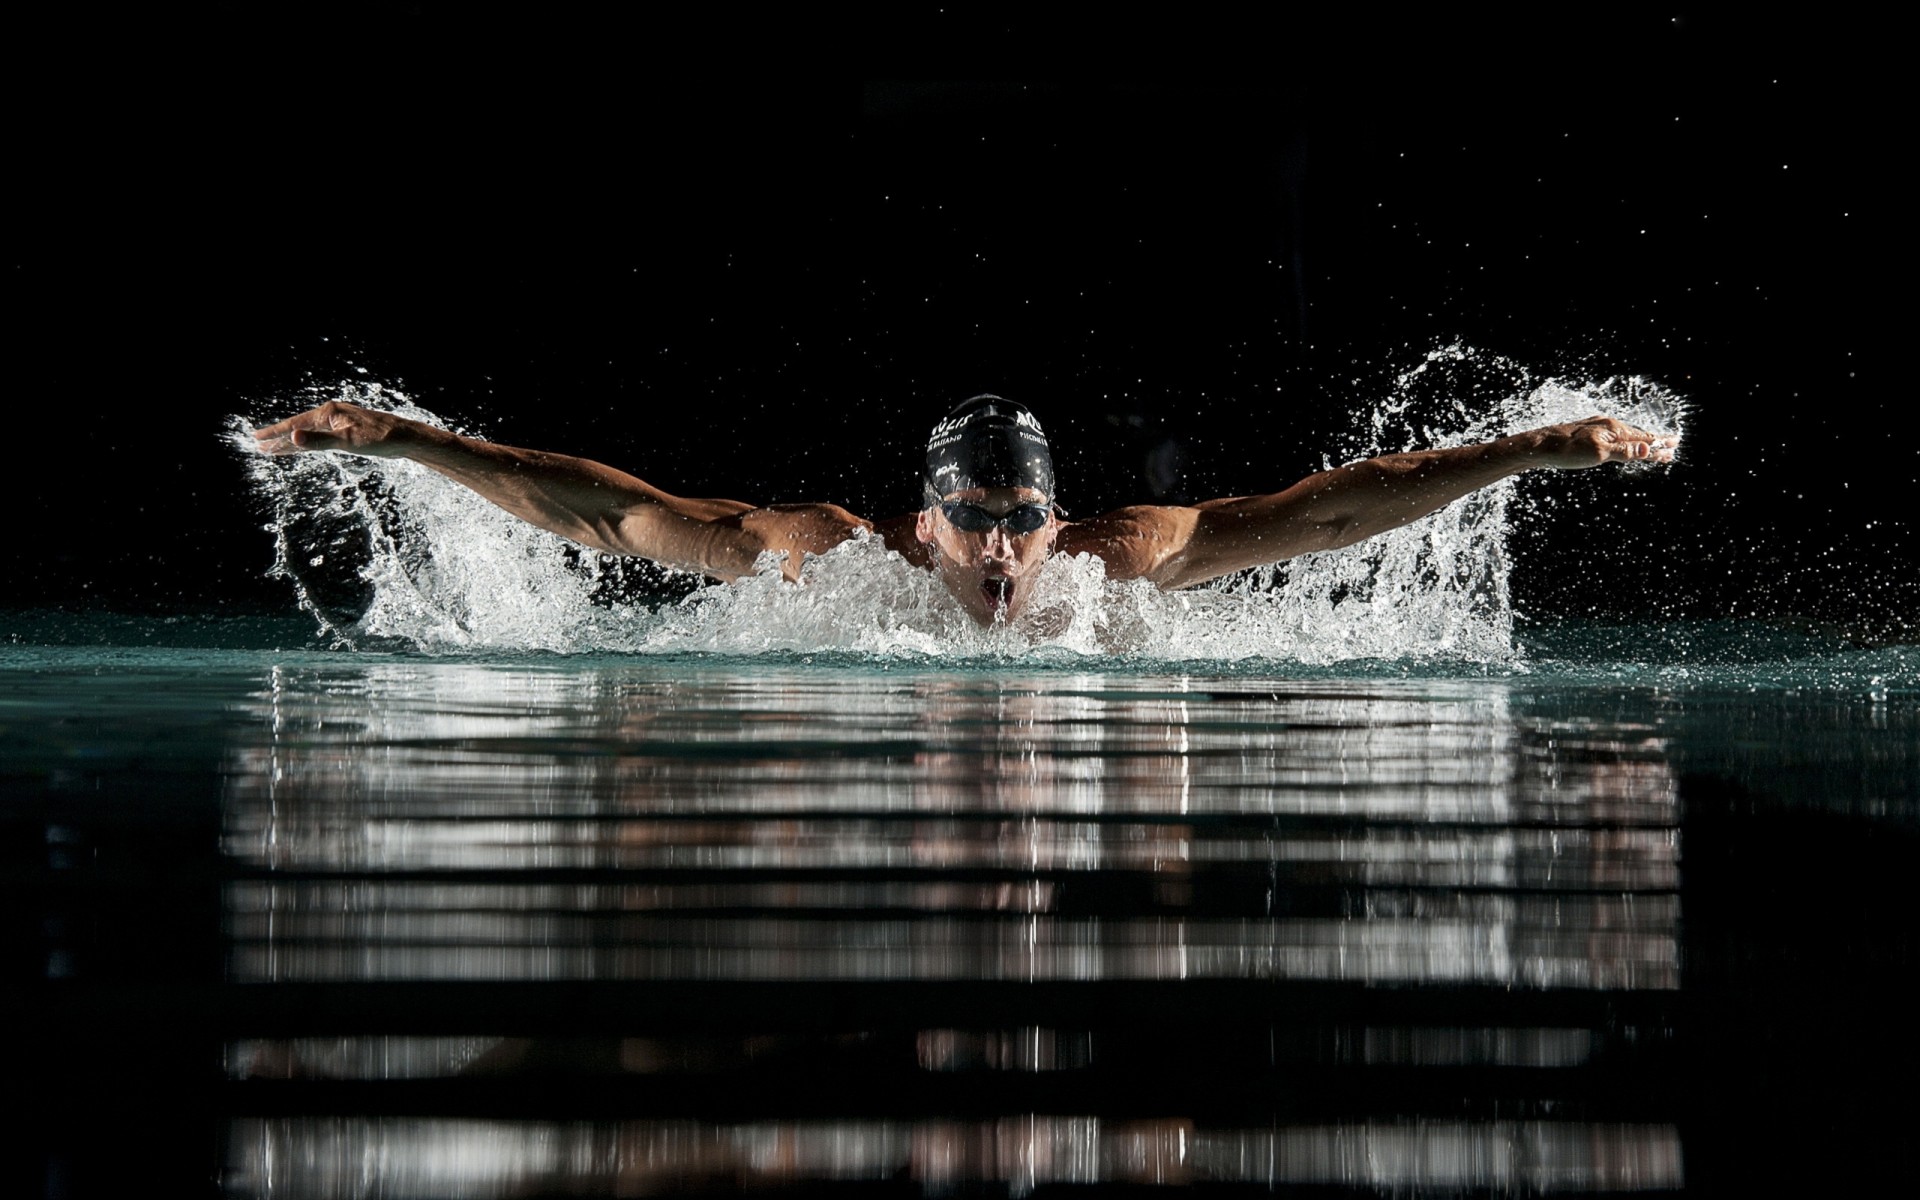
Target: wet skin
(989, 573)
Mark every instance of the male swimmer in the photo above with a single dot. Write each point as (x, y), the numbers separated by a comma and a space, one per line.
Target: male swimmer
(989, 519)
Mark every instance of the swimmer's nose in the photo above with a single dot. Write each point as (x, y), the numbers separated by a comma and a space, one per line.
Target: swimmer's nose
(999, 544)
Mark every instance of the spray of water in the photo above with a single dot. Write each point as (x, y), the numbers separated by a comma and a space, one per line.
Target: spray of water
(385, 552)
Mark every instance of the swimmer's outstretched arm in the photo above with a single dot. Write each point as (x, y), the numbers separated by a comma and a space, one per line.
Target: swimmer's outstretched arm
(579, 499)
(1181, 547)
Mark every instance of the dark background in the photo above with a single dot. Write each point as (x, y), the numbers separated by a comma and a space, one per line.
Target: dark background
(756, 257)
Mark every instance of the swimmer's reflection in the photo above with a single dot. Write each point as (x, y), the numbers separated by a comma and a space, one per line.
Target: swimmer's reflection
(940, 829)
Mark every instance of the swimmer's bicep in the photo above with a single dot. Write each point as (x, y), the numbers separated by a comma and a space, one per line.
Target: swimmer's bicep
(1225, 540)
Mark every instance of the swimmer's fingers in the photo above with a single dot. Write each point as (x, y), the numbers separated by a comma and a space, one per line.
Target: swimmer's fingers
(1624, 443)
(1598, 440)
(310, 430)
(286, 437)
(1658, 449)
(332, 426)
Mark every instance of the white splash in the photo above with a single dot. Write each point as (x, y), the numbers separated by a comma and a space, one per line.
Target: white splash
(384, 550)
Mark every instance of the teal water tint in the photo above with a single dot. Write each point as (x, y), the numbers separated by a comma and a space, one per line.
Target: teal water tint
(1731, 654)
(1601, 919)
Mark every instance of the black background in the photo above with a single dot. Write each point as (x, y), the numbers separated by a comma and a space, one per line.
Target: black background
(756, 257)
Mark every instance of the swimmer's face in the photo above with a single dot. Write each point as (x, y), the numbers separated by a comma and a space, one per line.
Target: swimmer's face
(990, 571)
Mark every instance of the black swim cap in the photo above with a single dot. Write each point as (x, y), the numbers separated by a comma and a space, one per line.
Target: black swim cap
(987, 442)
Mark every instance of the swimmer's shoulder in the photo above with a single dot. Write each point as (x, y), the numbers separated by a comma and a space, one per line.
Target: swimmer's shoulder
(897, 534)
(832, 513)
(1134, 542)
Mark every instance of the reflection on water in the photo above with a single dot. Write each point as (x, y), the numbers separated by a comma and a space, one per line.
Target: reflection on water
(815, 827)
(1575, 942)
(354, 926)
(472, 825)
(1031, 1048)
(436, 1158)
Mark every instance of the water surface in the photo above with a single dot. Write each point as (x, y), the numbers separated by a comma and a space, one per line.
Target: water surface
(406, 925)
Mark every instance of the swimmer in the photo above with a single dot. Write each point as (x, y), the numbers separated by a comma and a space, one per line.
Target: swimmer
(989, 517)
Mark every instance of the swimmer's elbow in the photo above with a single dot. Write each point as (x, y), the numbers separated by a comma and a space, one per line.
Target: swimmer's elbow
(1335, 533)
(1227, 543)
(617, 534)
(720, 549)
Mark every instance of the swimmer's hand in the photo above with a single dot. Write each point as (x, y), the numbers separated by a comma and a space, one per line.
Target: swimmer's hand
(1596, 440)
(337, 425)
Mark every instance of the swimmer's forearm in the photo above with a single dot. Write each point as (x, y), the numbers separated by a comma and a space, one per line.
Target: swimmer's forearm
(1352, 503)
(1339, 507)
(1343, 505)
(1356, 502)
(598, 506)
(579, 499)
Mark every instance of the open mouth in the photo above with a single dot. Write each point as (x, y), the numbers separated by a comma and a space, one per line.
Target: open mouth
(999, 592)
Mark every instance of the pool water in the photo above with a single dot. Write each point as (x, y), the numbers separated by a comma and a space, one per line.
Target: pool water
(1628, 913)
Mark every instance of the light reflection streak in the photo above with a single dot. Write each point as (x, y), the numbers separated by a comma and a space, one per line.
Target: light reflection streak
(396, 896)
(294, 1158)
(1453, 1047)
(1575, 858)
(1583, 941)
(1028, 1048)
(1385, 953)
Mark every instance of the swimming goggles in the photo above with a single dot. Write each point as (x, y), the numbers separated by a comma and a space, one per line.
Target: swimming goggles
(971, 518)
